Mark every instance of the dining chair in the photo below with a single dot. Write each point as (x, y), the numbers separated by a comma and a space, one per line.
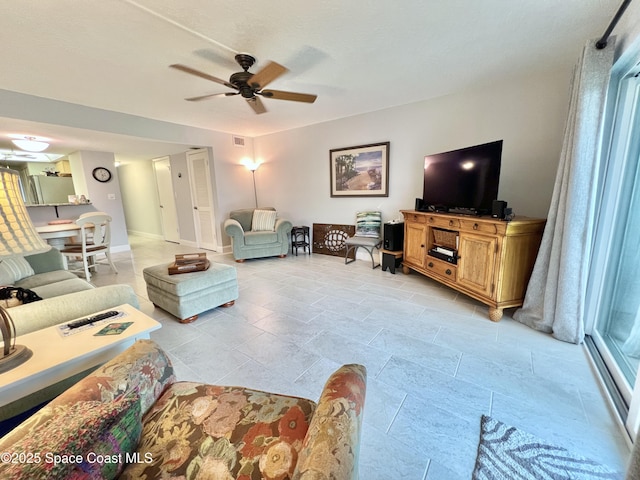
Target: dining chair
(95, 239)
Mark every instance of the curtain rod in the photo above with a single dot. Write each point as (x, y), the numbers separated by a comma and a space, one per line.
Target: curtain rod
(600, 44)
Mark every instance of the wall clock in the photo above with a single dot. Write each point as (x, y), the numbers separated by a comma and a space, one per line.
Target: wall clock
(101, 174)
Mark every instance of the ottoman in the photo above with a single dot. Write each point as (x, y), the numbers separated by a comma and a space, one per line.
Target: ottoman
(186, 295)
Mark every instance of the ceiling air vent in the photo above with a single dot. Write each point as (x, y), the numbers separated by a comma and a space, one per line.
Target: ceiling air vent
(238, 141)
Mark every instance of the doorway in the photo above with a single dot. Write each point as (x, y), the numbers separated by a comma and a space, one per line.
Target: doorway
(614, 280)
(166, 195)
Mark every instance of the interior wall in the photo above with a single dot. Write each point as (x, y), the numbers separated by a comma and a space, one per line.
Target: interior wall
(105, 197)
(139, 198)
(528, 114)
(232, 182)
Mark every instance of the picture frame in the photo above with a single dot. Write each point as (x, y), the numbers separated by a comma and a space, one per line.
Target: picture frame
(361, 171)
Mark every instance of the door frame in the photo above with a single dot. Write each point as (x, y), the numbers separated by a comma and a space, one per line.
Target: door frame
(196, 219)
(624, 120)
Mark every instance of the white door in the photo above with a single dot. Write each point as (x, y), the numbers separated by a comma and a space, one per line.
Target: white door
(168, 212)
(202, 199)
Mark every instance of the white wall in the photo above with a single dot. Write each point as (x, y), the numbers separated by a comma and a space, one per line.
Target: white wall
(528, 114)
(232, 183)
(139, 198)
(99, 193)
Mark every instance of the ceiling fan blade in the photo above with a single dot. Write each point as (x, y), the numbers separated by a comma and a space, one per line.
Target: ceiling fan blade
(206, 76)
(256, 104)
(295, 97)
(267, 75)
(204, 97)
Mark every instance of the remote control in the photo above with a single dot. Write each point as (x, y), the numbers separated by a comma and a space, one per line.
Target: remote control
(95, 318)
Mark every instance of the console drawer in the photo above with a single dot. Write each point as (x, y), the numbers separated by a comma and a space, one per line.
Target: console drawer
(414, 217)
(481, 227)
(442, 269)
(443, 222)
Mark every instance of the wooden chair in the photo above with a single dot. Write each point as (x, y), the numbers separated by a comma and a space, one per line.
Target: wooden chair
(95, 239)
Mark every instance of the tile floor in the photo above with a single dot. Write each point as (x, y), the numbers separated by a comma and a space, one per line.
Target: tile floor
(435, 362)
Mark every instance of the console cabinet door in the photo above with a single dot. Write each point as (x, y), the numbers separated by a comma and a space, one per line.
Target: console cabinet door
(415, 240)
(476, 263)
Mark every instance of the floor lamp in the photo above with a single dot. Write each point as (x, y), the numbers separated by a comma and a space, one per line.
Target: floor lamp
(253, 166)
(18, 237)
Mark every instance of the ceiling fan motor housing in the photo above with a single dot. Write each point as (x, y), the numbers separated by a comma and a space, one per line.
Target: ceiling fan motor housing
(240, 80)
(245, 61)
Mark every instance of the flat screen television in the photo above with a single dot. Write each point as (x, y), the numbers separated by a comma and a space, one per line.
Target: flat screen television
(462, 181)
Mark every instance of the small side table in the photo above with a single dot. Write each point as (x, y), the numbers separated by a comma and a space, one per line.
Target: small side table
(391, 260)
(300, 239)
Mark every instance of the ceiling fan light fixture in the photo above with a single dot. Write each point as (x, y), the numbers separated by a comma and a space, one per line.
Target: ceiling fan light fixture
(28, 143)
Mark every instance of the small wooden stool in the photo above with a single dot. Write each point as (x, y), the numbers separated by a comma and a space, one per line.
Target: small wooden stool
(391, 260)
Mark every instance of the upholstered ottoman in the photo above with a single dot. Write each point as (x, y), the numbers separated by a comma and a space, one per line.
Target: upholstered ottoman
(186, 295)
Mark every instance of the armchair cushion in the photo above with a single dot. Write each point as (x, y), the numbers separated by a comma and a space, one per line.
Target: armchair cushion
(244, 217)
(260, 238)
(233, 431)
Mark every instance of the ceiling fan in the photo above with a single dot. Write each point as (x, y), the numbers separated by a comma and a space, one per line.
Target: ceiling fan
(248, 84)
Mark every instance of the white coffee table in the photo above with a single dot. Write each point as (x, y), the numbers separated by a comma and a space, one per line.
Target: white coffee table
(57, 357)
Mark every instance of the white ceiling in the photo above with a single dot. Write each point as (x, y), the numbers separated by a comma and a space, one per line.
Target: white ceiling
(357, 56)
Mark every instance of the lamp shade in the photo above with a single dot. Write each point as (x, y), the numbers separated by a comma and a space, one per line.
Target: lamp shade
(18, 236)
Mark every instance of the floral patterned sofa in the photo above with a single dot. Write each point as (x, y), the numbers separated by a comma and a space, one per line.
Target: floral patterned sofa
(131, 419)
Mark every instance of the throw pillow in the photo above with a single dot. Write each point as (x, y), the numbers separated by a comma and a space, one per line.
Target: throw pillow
(13, 269)
(72, 432)
(113, 448)
(368, 224)
(263, 221)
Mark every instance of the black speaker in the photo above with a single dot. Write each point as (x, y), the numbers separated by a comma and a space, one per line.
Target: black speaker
(419, 204)
(393, 236)
(498, 209)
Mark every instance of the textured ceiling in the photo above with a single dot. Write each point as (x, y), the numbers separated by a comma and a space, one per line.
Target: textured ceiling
(357, 56)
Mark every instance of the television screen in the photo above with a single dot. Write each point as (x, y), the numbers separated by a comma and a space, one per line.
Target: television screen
(464, 180)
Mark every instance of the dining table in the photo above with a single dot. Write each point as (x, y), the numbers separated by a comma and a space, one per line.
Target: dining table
(57, 235)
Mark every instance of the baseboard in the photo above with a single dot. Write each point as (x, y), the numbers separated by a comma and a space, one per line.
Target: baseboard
(154, 236)
(120, 248)
(188, 243)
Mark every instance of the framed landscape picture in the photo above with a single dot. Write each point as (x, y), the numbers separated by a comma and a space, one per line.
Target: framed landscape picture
(361, 171)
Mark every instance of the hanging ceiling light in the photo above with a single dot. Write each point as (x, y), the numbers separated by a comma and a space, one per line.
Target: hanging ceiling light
(28, 143)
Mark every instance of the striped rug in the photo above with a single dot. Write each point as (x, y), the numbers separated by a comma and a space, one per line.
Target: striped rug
(506, 453)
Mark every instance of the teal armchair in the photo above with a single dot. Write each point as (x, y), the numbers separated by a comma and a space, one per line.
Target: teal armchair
(257, 235)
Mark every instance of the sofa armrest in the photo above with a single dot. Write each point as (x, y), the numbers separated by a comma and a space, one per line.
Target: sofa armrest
(331, 446)
(282, 228)
(52, 311)
(46, 262)
(143, 369)
(236, 232)
(233, 228)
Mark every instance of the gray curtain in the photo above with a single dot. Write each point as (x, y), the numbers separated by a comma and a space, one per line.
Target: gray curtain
(555, 298)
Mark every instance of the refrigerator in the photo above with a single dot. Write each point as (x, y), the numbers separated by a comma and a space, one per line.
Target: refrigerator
(44, 189)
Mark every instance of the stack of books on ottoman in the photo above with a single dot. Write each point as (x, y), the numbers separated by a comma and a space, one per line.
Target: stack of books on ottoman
(189, 262)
